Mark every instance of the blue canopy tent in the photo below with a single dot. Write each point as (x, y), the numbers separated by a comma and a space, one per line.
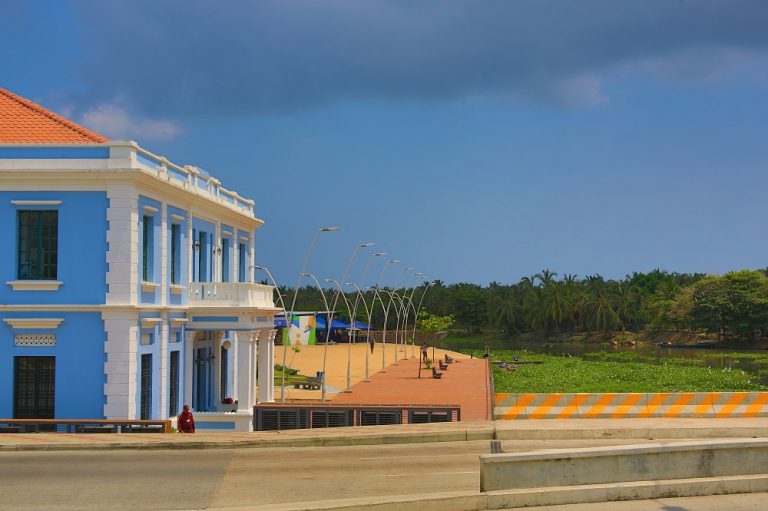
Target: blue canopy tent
(359, 325)
(321, 324)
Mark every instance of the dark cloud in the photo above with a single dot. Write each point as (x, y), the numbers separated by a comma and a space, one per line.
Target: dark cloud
(204, 57)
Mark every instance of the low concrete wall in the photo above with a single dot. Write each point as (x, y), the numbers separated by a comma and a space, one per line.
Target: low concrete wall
(620, 464)
(631, 405)
(223, 421)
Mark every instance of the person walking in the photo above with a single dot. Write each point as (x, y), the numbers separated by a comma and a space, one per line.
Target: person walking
(186, 421)
(424, 348)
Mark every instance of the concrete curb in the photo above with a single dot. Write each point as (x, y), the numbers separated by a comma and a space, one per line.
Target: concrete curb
(531, 497)
(578, 429)
(331, 439)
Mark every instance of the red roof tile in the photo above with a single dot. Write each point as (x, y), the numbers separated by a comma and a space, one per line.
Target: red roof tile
(25, 122)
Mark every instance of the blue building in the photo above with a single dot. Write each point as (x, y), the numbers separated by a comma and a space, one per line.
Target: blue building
(128, 281)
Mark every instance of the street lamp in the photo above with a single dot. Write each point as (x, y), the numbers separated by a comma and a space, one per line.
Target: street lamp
(368, 330)
(289, 319)
(285, 314)
(327, 326)
(336, 299)
(408, 308)
(386, 316)
(349, 337)
(398, 325)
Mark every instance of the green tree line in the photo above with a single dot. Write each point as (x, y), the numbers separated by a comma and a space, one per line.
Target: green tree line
(734, 305)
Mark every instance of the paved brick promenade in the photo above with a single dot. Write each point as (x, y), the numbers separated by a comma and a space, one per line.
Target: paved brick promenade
(464, 383)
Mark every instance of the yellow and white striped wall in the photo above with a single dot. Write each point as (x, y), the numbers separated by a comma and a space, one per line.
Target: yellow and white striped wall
(631, 405)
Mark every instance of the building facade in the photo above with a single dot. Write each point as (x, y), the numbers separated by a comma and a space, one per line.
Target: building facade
(128, 281)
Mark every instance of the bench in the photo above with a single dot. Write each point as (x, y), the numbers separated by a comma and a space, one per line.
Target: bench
(309, 384)
(436, 374)
(443, 366)
(448, 360)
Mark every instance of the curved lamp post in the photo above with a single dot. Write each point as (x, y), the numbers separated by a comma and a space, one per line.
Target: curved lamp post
(368, 330)
(386, 315)
(349, 336)
(289, 318)
(327, 326)
(285, 315)
(394, 297)
(421, 300)
(398, 325)
(336, 301)
(407, 307)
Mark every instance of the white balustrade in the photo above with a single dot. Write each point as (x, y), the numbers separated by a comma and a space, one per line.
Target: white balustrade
(230, 294)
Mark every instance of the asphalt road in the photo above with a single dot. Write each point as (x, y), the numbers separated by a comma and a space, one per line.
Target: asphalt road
(200, 479)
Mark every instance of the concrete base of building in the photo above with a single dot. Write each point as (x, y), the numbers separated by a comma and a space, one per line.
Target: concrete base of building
(238, 421)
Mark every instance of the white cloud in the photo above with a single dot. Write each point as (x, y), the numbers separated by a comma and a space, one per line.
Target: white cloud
(115, 122)
(580, 91)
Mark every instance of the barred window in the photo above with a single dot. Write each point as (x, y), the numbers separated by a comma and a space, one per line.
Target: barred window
(38, 240)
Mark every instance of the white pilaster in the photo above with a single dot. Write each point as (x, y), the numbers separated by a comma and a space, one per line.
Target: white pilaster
(120, 367)
(122, 241)
(164, 273)
(189, 366)
(266, 361)
(216, 258)
(251, 260)
(245, 370)
(164, 338)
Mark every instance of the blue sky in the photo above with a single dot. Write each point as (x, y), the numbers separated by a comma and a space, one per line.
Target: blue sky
(474, 141)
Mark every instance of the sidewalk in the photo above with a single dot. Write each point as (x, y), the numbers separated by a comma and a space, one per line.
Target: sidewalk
(566, 429)
(464, 383)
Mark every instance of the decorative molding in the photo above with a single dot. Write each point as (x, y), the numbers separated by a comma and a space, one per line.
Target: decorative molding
(149, 287)
(35, 285)
(176, 289)
(177, 321)
(149, 209)
(36, 202)
(149, 322)
(35, 340)
(177, 218)
(33, 323)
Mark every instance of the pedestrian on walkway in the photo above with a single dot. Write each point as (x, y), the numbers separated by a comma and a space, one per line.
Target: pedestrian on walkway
(186, 422)
(424, 348)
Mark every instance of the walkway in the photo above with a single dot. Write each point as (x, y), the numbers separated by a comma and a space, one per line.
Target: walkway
(309, 360)
(464, 383)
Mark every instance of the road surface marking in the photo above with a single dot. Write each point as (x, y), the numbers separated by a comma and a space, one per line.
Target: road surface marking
(424, 474)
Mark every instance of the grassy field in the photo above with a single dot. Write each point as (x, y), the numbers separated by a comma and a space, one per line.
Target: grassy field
(616, 372)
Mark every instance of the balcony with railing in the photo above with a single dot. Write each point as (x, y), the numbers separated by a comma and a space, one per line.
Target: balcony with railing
(230, 294)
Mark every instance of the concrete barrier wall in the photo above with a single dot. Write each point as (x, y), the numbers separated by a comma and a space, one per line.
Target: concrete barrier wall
(631, 405)
(625, 463)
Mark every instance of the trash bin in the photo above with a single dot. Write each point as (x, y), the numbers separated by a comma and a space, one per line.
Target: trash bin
(319, 375)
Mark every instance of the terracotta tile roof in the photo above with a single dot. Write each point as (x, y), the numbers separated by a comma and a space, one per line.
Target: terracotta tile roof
(25, 122)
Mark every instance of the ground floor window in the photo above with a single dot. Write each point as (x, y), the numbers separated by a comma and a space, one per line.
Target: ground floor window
(173, 385)
(224, 369)
(34, 384)
(146, 387)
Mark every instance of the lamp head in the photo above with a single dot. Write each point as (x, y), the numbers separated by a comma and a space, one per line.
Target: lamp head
(377, 254)
(258, 267)
(305, 274)
(408, 268)
(329, 229)
(393, 261)
(366, 244)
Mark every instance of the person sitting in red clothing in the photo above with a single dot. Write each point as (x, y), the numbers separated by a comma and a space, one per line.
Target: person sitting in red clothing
(186, 422)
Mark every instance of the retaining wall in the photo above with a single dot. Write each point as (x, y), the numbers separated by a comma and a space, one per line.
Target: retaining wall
(623, 464)
(631, 405)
